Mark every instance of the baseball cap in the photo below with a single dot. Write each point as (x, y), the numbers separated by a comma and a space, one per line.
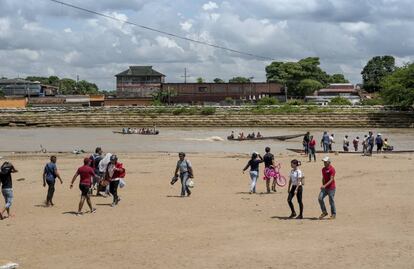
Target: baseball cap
(326, 159)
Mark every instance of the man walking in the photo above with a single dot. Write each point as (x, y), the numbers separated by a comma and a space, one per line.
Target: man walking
(86, 174)
(325, 142)
(328, 188)
(50, 173)
(186, 172)
(95, 159)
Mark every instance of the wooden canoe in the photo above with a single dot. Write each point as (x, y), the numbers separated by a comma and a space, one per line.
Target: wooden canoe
(280, 137)
(120, 132)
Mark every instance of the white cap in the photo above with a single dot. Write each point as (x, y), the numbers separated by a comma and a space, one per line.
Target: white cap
(326, 159)
(379, 134)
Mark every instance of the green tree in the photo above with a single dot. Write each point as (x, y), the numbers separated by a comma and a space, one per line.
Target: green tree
(1, 93)
(53, 80)
(267, 101)
(375, 70)
(239, 80)
(340, 101)
(398, 87)
(292, 73)
(338, 78)
(67, 86)
(218, 80)
(308, 87)
(200, 80)
(85, 87)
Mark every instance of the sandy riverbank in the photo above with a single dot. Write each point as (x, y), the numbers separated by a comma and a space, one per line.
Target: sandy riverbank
(220, 226)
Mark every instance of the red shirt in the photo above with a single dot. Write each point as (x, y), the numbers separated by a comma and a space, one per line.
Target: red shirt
(86, 173)
(312, 143)
(119, 174)
(327, 173)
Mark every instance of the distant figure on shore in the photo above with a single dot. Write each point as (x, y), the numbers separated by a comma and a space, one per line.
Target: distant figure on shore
(355, 142)
(86, 174)
(295, 188)
(331, 141)
(346, 143)
(231, 136)
(379, 142)
(365, 145)
(305, 142)
(7, 187)
(50, 173)
(387, 146)
(269, 162)
(311, 148)
(325, 142)
(328, 188)
(371, 141)
(259, 135)
(253, 163)
(186, 173)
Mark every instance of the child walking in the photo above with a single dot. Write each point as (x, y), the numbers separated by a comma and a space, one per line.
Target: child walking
(295, 188)
(253, 163)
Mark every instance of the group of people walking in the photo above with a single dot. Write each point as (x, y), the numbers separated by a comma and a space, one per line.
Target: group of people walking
(103, 174)
(296, 181)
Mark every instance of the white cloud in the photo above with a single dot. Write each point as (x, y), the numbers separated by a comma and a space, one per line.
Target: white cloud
(71, 57)
(210, 6)
(186, 26)
(31, 55)
(67, 30)
(166, 42)
(4, 27)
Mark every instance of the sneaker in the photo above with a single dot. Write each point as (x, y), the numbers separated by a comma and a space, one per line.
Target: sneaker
(324, 214)
(93, 210)
(333, 216)
(113, 204)
(299, 217)
(292, 215)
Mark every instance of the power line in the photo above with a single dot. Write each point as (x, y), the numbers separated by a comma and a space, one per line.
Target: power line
(163, 32)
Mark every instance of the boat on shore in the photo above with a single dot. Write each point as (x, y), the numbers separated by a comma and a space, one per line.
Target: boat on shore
(354, 152)
(280, 137)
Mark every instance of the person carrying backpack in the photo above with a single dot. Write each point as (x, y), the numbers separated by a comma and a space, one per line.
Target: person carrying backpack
(95, 159)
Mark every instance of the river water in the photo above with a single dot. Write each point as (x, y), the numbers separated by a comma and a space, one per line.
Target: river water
(175, 139)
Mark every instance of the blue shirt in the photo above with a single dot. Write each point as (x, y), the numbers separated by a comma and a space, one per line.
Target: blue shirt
(50, 169)
(325, 139)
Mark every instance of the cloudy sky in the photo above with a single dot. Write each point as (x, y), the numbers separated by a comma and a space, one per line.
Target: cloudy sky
(39, 37)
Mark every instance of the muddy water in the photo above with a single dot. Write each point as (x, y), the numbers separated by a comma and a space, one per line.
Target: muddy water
(173, 140)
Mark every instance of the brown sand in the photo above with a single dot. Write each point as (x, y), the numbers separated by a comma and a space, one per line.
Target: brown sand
(220, 226)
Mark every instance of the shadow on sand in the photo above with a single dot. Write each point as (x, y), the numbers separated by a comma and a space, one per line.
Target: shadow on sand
(287, 218)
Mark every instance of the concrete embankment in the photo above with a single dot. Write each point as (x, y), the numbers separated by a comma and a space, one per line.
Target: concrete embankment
(201, 117)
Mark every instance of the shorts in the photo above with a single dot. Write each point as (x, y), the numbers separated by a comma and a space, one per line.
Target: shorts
(84, 189)
(8, 197)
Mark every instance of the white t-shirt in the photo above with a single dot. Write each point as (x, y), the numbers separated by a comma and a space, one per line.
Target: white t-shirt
(184, 165)
(295, 175)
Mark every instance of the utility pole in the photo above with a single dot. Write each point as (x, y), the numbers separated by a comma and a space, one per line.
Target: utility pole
(286, 90)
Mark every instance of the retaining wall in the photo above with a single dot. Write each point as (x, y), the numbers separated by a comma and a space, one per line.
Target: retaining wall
(223, 117)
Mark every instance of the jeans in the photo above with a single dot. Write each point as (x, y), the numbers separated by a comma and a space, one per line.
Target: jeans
(50, 190)
(306, 147)
(325, 147)
(113, 189)
(8, 197)
(322, 195)
(312, 153)
(298, 196)
(184, 188)
(253, 177)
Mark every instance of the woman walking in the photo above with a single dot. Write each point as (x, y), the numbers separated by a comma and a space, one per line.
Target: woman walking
(115, 171)
(253, 163)
(295, 188)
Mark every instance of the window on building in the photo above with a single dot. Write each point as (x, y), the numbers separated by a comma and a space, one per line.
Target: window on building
(202, 89)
